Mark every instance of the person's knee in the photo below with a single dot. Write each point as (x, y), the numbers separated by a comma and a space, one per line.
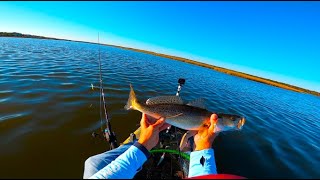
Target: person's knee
(94, 163)
(90, 167)
(89, 163)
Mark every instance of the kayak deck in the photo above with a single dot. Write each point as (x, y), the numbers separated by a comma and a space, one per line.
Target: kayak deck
(172, 165)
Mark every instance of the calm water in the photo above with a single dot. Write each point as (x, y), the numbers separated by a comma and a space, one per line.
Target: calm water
(48, 110)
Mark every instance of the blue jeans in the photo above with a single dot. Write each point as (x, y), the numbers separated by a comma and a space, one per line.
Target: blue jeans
(95, 163)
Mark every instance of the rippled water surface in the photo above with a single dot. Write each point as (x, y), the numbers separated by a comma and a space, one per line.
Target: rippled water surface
(48, 110)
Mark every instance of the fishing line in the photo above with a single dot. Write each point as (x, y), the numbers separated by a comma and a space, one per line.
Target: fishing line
(101, 123)
(102, 98)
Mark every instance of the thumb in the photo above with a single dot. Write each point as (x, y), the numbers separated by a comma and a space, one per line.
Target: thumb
(213, 122)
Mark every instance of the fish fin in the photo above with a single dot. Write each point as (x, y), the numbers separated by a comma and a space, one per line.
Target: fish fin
(132, 100)
(164, 100)
(200, 103)
(185, 138)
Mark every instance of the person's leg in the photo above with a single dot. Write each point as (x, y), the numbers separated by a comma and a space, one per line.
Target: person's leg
(95, 163)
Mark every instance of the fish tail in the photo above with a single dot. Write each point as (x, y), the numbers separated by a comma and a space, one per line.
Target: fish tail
(132, 100)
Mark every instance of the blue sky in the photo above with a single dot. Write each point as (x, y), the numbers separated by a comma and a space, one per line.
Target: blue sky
(276, 40)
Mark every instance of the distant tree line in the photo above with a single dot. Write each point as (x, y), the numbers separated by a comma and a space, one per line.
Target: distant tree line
(15, 34)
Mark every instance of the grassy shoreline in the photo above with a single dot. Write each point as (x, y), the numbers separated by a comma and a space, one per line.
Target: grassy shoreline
(217, 68)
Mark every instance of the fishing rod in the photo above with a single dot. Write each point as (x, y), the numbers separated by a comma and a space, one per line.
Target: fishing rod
(181, 82)
(108, 133)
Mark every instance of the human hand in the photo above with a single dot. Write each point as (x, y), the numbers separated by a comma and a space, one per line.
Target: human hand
(205, 136)
(149, 135)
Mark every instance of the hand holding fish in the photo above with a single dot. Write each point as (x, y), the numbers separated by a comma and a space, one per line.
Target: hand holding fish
(192, 116)
(149, 136)
(205, 136)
